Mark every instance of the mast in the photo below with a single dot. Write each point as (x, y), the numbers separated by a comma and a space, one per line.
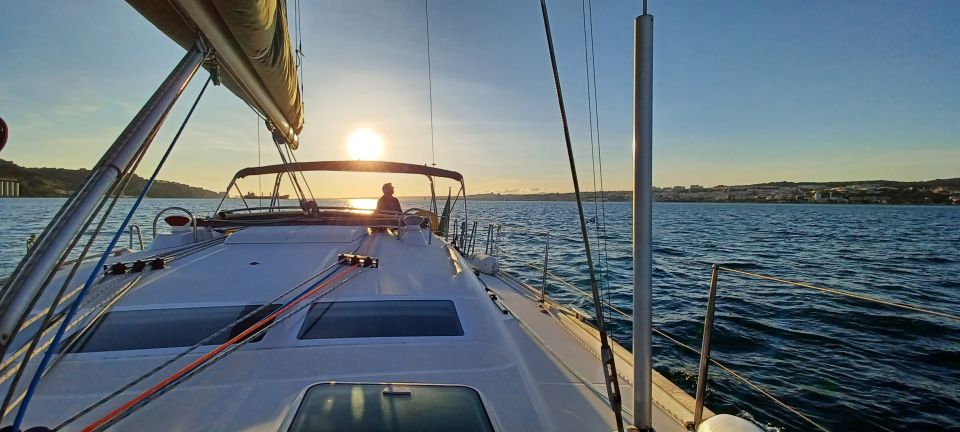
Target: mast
(643, 219)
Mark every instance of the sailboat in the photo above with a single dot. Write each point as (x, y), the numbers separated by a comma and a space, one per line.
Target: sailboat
(312, 318)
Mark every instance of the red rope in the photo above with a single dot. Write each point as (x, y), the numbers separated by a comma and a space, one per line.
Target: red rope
(193, 365)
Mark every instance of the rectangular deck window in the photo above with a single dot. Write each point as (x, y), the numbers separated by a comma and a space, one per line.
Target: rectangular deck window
(391, 318)
(336, 407)
(166, 328)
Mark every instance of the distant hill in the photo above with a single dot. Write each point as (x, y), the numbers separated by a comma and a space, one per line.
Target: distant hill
(60, 182)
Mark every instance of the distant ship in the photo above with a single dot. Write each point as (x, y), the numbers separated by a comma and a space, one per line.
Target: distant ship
(251, 195)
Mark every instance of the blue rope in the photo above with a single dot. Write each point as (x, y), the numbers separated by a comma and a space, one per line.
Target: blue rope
(54, 344)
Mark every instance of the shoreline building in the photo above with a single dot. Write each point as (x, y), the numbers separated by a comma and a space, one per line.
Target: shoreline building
(9, 187)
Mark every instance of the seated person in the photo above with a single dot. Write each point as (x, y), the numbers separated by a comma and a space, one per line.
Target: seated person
(388, 202)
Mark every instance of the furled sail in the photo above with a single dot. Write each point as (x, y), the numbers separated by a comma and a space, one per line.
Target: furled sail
(252, 47)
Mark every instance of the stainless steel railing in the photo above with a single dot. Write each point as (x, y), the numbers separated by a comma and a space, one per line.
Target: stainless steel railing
(465, 239)
(704, 352)
(131, 229)
(705, 358)
(699, 400)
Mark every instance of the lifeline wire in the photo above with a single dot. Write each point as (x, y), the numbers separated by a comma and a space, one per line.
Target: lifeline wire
(847, 294)
(95, 270)
(573, 289)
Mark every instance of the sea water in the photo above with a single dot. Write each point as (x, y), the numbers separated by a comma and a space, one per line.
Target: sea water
(848, 364)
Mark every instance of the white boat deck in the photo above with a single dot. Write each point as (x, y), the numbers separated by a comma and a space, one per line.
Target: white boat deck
(551, 329)
(532, 370)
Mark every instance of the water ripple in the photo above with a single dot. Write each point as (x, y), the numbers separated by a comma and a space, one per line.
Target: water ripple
(847, 364)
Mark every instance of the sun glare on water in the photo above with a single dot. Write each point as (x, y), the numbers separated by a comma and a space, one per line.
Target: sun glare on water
(363, 203)
(365, 144)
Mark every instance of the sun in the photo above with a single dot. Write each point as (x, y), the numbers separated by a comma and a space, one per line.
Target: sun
(365, 144)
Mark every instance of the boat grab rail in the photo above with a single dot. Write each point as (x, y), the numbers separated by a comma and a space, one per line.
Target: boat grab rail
(139, 235)
(193, 220)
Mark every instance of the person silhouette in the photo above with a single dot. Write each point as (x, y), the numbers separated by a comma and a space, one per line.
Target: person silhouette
(388, 202)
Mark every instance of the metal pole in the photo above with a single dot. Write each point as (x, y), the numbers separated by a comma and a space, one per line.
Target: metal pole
(643, 221)
(137, 136)
(433, 195)
(488, 245)
(473, 237)
(705, 349)
(546, 255)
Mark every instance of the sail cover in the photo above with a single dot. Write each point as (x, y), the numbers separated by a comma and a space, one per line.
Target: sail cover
(252, 47)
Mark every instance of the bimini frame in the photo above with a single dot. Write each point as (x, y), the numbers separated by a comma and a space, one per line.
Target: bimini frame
(353, 166)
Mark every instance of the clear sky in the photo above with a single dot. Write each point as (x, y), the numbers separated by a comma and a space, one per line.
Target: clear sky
(745, 91)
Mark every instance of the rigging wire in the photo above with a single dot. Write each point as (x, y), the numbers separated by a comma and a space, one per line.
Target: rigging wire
(433, 151)
(598, 223)
(203, 342)
(75, 306)
(229, 346)
(259, 162)
(303, 175)
(607, 358)
(289, 170)
(214, 357)
(116, 191)
(298, 55)
(602, 225)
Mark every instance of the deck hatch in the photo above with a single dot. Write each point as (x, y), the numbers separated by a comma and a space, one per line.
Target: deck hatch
(166, 328)
(388, 318)
(334, 407)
